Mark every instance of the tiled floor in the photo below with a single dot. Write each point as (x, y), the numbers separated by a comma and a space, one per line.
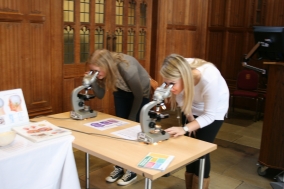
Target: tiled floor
(233, 164)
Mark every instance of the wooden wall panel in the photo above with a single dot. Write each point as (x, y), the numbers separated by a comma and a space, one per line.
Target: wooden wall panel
(11, 54)
(180, 29)
(178, 12)
(10, 6)
(39, 69)
(38, 49)
(181, 42)
(192, 9)
(25, 47)
(237, 13)
(26, 54)
(215, 48)
(275, 13)
(217, 12)
(68, 86)
(182, 13)
(234, 48)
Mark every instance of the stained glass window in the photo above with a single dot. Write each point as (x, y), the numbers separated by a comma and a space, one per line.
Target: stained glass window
(84, 44)
(68, 9)
(142, 44)
(143, 13)
(119, 12)
(68, 45)
(84, 11)
(99, 38)
(130, 43)
(99, 11)
(118, 41)
(131, 13)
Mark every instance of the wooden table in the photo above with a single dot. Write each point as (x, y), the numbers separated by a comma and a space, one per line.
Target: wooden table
(128, 154)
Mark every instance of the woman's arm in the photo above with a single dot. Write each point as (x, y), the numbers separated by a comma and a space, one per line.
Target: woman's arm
(179, 131)
(137, 90)
(99, 91)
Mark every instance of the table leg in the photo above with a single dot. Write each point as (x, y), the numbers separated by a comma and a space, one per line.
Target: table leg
(148, 183)
(87, 171)
(201, 171)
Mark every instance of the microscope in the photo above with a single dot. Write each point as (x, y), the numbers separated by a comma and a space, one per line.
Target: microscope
(80, 110)
(152, 133)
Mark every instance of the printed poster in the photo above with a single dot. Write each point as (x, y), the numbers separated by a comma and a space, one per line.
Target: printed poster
(13, 110)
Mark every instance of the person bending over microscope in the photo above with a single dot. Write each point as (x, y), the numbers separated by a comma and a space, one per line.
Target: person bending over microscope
(203, 96)
(130, 84)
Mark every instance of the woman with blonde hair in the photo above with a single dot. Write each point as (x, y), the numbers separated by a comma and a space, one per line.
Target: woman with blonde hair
(203, 96)
(130, 84)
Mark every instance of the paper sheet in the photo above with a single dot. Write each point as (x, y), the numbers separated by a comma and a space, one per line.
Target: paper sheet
(129, 133)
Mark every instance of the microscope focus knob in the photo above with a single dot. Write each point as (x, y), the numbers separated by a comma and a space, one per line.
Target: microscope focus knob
(81, 103)
(152, 125)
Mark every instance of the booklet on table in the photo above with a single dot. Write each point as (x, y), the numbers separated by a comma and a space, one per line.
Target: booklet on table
(156, 161)
(41, 131)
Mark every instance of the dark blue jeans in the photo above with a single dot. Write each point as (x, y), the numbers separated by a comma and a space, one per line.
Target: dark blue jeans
(123, 103)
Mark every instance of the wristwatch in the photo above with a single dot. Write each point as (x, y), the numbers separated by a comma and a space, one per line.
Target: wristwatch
(185, 128)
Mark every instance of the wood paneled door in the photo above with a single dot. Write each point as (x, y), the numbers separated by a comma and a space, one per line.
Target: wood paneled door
(27, 53)
(117, 25)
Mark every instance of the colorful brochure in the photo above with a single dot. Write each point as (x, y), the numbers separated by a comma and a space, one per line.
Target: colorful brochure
(156, 161)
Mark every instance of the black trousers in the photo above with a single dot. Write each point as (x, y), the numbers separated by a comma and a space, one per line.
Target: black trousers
(207, 134)
(123, 103)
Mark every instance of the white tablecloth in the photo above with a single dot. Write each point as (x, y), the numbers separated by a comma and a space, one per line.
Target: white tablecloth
(45, 165)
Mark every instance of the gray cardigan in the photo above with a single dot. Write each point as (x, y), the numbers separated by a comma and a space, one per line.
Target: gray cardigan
(136, 78)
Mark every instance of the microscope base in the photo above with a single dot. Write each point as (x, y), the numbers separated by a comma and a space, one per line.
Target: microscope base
(150, 138)
(82, 114)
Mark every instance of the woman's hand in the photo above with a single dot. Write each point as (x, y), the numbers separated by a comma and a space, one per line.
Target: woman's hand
(86, 73)
(175, 131)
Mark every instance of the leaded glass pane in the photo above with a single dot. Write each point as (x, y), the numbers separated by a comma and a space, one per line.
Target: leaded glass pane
(84, 44)
(131, 13)
(99, 38)
(141, 44)
(118, 44)
(84, 11)
(130, 43)
(143, 13)
(68, 35)
(99, 11)
(119, 12)
(68, 10)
